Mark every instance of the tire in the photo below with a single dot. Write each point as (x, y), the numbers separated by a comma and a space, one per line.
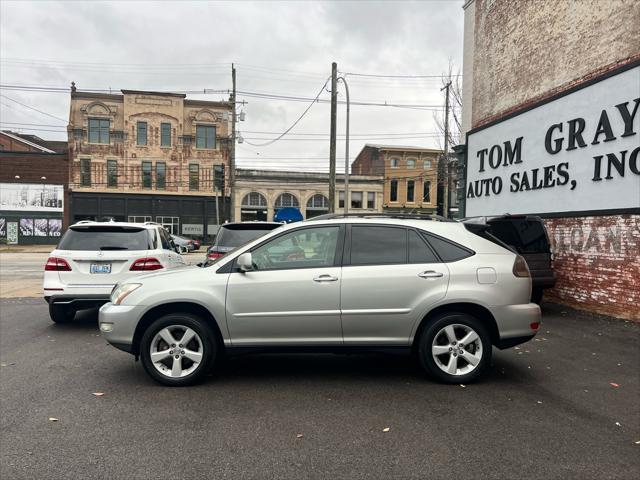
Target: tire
(202, 345)
(61, 314)
(536, 295)
(434, 336)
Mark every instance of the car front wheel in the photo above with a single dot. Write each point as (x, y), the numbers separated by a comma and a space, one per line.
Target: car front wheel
(455, 348)
(178, 349)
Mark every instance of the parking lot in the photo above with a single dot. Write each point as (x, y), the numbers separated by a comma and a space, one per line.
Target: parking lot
(562, 406)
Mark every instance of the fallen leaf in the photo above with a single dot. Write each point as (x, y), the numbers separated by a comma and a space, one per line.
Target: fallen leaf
(300, 435)
(638, 442)
(539, 401)
(614, 385)
(98, 394)
(53, 419)
(618, 424)
(463, 386)
(516, 348)
(586, 391)
(386, 429)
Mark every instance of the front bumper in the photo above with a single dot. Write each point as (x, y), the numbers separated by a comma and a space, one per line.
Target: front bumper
(78, 301)
(516, 323)
(118, 324)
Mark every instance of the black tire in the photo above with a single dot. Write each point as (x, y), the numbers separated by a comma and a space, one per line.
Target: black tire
(536, 295)
(434, 329)
(208, 345)
(61, 313)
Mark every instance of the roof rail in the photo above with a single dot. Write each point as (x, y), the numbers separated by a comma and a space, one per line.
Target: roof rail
(153, 223)
(408, 216)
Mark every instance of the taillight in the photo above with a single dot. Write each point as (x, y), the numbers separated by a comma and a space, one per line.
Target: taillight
(520, 267)
(55, 264)
(146, 264)
(214, 255)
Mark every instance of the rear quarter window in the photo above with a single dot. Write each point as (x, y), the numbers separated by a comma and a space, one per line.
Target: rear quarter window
(447, 250)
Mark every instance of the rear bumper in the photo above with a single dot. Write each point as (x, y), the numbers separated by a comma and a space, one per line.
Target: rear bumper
(78, 302)
(544, 281)
(515, 323)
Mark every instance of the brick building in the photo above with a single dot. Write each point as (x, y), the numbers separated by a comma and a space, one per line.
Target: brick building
(34, 175)
(148, 156)
(551, 120)
(261, 193)
(410, 176)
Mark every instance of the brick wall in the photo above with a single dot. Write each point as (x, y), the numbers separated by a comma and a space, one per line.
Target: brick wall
(597, 262)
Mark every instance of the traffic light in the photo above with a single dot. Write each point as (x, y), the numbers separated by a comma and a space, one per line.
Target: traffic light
(218, 177)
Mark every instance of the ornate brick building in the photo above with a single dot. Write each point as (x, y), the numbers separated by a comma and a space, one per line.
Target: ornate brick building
(148, 156)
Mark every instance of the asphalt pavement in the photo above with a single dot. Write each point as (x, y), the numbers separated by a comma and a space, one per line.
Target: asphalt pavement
(563, 406)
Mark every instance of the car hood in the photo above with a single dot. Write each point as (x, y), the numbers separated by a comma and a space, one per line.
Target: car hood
(170, 275)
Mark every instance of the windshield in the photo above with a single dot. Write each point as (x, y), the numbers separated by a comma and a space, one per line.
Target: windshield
(105, 238)
(234, 237)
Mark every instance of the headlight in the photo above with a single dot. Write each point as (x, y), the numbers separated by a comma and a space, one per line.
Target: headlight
(122, 291)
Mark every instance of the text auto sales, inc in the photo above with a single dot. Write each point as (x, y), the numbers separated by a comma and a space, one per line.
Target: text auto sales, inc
(573, 134)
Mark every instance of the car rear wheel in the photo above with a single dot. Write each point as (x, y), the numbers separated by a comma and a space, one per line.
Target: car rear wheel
(455, 348)
(178, 349)
(61, 313)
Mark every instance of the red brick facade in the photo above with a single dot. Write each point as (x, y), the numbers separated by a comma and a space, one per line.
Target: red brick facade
(597, 262)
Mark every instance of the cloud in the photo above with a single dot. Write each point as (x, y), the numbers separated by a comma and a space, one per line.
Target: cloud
(281, 47)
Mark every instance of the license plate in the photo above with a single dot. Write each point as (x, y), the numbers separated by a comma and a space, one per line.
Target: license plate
(100, 268)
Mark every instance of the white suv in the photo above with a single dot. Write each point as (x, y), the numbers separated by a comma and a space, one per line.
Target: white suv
(92, 257)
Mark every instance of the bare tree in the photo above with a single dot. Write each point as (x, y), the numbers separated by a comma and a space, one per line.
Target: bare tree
(455, 109)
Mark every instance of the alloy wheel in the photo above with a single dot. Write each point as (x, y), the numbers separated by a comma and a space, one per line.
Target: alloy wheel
(176, 351)
(457, 349)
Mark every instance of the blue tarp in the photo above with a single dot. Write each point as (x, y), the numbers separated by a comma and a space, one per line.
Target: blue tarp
(288, 215)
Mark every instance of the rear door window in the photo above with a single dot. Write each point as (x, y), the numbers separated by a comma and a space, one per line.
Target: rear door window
(105, 238)
(447, 251)
(373, 245)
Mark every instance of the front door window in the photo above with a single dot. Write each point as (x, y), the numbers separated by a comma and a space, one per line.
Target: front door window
(311, 247)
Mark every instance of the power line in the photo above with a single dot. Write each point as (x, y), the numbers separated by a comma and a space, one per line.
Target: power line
(399, 76)
(294, 123)
(32, 108)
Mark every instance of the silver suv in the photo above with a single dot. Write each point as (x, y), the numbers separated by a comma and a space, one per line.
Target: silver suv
(431, 287)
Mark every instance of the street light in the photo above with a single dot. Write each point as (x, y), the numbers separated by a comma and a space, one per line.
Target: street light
(346, 148)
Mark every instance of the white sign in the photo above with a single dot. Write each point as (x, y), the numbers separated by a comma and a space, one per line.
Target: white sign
(12, 233)
(579, 152)
(31, 197)
(192, 229)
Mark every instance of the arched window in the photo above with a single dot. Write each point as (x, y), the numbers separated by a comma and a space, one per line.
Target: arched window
(394, 163)
(318, 201)
(427, 164)
(286, 200)
(411, 163)
(254, 199)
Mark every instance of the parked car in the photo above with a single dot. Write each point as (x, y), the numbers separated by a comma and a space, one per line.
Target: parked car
(184, 244)
(430, 287)
(232, 235)
(93, 256)
(196, 244)
(526, 235)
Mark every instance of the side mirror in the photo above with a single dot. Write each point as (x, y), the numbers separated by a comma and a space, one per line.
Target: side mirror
(244, 262)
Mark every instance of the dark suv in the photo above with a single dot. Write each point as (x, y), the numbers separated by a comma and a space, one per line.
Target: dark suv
(527, 236)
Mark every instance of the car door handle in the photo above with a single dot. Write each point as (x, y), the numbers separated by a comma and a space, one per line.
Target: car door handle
(325, 278)
(430, 274)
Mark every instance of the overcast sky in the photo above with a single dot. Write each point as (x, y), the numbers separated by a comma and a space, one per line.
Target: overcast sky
(282, 48)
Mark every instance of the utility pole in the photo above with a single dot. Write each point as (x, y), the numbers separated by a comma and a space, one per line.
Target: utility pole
(445, 170)
(346, 151)
(332, 139)
(232, 151)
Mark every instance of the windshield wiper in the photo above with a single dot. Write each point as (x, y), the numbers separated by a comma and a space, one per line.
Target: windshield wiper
(108, 247)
